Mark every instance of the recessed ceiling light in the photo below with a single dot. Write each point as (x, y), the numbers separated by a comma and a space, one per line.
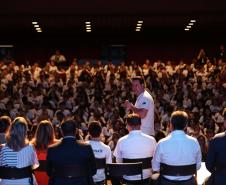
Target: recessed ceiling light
(88, 30)
(87, 22)
(140, 22)
(137, 29)
(193, 20)
(38, 29)
(88, 25)
(188, 26)
(191, 23)
(34, 22)
(36, 26)
(186, 29)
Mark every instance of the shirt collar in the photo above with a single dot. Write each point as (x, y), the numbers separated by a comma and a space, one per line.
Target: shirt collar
(133, 132)
(178, 133)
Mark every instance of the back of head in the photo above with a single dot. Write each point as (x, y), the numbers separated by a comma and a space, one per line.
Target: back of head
(133, 120)
(16, 136)
(68, 127)
(5, 122)
(44, 134)
(95, 129)
(179, 120)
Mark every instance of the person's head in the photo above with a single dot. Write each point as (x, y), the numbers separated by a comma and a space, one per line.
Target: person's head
(16, 137)
(133, 122)
(95, 129)
(5, 122)
(178, 120)
(138, 85)
(44, 135)
(68, 127)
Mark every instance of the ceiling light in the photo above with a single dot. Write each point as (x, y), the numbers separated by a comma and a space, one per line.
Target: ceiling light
(87, 22)
(34, 22)
(38, 29)
(36, 26)
(186, 29)
(140, 22)
(88, 25)
(88, 30)
(188, 26)
(137, 29)
(191, 23)
(193, 20)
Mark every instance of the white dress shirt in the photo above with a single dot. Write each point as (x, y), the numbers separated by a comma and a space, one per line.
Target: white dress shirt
(177, 149)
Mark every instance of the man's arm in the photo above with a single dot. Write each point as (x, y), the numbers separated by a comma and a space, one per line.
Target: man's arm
(210, 156)
(141, 111)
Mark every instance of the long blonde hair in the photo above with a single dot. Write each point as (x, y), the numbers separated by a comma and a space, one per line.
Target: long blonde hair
(16, 137)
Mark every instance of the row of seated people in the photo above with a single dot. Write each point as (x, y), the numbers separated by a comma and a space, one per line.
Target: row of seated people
(177, 157)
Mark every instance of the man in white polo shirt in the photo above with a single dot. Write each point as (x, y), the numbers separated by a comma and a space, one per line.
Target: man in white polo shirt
(100, 150)
(144, 106)
(135, 146)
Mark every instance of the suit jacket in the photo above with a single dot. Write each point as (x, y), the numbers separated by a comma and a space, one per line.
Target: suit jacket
(71, 152)
(216, 155)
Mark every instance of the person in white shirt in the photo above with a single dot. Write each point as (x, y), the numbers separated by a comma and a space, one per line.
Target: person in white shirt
(100, 150)
(144, 106)
(135, 145)
(177, 149)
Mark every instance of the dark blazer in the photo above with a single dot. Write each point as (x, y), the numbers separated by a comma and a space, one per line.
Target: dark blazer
(71, 152)
(216, 156)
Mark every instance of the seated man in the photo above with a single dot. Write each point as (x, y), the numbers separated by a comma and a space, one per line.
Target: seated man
(100, 150)
(178, 153)
(70, 162)
(135, 145)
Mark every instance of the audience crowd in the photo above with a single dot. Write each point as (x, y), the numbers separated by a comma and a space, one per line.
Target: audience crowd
(98, 92)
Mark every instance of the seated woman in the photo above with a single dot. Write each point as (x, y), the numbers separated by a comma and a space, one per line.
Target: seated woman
(17, 152)
(44, 136)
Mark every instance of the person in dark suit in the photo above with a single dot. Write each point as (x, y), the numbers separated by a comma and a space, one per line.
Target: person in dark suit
(215, 161)
(70, 162)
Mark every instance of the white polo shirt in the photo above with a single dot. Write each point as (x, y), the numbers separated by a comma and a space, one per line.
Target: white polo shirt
(177, 149)
(135, 145)
(145, 101)
(100, 150)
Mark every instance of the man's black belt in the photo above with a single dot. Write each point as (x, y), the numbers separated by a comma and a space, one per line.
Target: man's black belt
(184, 170)
(69, 171)
(146, 162)
(7, 172)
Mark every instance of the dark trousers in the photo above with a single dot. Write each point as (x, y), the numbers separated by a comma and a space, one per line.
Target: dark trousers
(165, 181)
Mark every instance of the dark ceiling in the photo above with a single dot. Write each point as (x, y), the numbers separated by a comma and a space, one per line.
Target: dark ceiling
(113, 18)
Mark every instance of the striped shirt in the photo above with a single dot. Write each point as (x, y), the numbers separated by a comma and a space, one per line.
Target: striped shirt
(23, 158)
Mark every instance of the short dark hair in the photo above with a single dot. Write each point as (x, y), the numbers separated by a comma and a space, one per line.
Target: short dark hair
(133, 119)
(95, 129)
(5, 122)
(139, 78)
(179, 120)
(68, 127)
